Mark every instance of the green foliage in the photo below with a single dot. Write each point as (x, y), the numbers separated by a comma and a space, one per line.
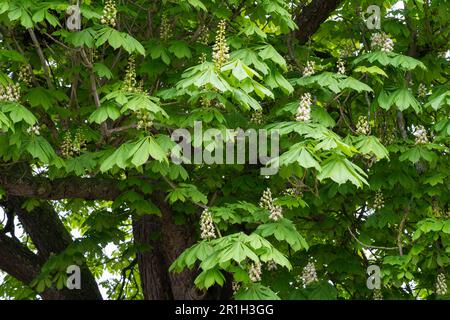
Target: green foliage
(80, 93)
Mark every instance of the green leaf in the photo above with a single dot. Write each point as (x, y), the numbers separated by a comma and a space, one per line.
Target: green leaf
(180, 49)
(268, 52)
(256, 292)
(105, 112)
(371, 145)
(284, 230)
(39, 148)
(341, 170)
(416, 153)
(19, 113)
(208, 278)
(403, 99)
(102, 70)
(143, 149)
(371, 70)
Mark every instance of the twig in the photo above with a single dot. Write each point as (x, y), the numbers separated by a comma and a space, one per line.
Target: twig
(370, 246)
(41, 57)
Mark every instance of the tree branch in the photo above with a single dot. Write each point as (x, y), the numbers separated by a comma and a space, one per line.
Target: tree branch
(312, 16)
(61, 188)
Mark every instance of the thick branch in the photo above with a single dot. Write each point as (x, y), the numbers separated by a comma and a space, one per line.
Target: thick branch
(61, 188)
(312, 16)
(19, 262)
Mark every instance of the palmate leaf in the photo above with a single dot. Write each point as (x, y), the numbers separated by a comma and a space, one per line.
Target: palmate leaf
(208, 278)
(239, 70)
(333, 81)
(103, 113)
(134, 101)
(180, 49)
(267, 52)
(298, 153)
(187, 259)
(404, 99)
(371, 70)
(390, 58)
(276, 80)
(186, 191)
(250, 58)
(439, 101)
(39, 148)
(203, 75)
(256, 291)
(85, 37)
(118, 39)
(371, 145)
(45, 98)
(416, 153)
(283, 230)
(134, 154)
(18, 113)
(341, 170)
(11, 55)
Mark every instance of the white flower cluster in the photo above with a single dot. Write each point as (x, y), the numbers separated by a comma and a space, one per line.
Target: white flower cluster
(377, 294)
(362, 126)
(341, 66)
(347, 51)
(202, 58)
(25, 75)
(441, 285)
(165, 31)
(207, 229)
(145, 119)
(73, 147)
(257, 117)
(11, 93)
(272, 265)
(309, 274)
(130, 82)
(221, 48)
(235, 286)
(34, 130)
(381, 41)
(254, 272)
(422, 90)
(388, 137)
(266, 202)
(421, 135)
(109, 16)
(304, 108)
(204, 35)
(276, 213)
(309, 69)
(378, 202)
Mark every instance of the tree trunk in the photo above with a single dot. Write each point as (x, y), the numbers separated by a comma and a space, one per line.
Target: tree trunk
(152, 267)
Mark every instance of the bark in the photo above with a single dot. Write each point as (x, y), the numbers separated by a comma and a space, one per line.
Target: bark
(172, 239)
(15, 184)
(312, 16)
(22, 264)
(50, 236)
(176, 239)
(152, 267)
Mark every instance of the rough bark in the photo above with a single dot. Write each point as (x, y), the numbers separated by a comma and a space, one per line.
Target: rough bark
(22, 264)
(175, 239)
(312, 16)
(15, 184)
(50, 236)
(153, 269)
